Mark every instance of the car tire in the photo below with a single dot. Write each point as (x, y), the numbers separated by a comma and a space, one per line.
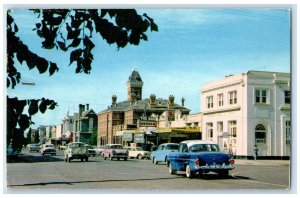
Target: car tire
(86, 159)
(125, 159)
(171, 170)
(189, 174)
(139, 157)
(81, 159)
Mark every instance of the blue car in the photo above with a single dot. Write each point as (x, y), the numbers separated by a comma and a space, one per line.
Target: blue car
(196, 156)
(162, 151)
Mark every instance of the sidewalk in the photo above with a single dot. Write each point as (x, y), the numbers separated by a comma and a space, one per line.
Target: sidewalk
(262, 162)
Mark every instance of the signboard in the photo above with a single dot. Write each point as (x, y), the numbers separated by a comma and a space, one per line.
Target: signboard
(139, 138)
(128, 137)
(144, 123)
(171, 116)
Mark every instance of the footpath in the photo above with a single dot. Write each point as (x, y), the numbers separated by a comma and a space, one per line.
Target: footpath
(262, 162)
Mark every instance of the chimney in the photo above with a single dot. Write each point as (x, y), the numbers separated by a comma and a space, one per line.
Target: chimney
(171, 101)
(182, 101)
(114, 100)
(152, 100)
(87, 107)
(81, 109)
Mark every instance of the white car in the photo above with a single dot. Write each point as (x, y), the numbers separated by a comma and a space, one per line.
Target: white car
(138, 152)
(48, 149)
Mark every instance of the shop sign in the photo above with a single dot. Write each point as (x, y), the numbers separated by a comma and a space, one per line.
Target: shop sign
(128, 137)
(139, 138)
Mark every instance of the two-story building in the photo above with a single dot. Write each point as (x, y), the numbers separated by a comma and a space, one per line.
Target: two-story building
(244, 110)
(85, 123)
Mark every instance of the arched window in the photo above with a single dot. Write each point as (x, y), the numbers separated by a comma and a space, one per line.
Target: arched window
(260, 134)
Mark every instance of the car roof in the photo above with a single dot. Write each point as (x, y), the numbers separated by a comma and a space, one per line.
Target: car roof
(169, 144)
(192, 142)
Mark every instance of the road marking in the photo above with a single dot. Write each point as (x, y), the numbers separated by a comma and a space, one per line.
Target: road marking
(257, 182)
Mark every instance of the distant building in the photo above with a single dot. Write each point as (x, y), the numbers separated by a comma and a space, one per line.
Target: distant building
(247, 109)
(85, 123)
(68, 129)
(42, 133)
(140, 121)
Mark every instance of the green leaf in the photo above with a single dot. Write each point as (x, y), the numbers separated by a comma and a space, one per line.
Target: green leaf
(33, 107)
(53, 68)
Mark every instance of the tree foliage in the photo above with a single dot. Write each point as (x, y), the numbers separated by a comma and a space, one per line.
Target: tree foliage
(65, 30)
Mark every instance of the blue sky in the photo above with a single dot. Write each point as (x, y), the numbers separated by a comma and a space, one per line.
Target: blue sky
(191, 48)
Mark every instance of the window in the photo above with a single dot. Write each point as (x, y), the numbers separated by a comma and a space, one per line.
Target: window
(209, 101)
(287, 97)
(261, 96)
(288, 132)
(209, 130)
(232, 97)
(260, 134)
(232, 128)
(220, 100)
(220, 126)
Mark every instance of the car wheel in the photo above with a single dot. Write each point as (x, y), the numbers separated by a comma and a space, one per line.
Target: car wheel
(171, 170)
(86, 159)
(188, 172)
(81, 159)
(139, 157)
(125, 159)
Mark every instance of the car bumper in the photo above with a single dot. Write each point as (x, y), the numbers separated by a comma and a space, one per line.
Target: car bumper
(120, 155)
(214, 167)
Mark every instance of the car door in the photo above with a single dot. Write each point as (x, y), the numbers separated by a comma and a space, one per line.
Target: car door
(159, 153)
(182, 156)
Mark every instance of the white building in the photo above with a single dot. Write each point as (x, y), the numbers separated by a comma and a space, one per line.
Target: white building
(247, 109)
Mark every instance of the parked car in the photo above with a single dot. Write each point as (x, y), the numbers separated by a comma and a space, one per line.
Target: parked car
(34, 147)
(196, 156)
(137, 152)
(162, 151)
(76, 150)
(91, 149)
(99, 149)
(115, 151)
(48, 149)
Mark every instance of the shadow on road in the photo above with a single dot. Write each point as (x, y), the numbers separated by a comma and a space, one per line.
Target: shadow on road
(32, 159)
(91, 181)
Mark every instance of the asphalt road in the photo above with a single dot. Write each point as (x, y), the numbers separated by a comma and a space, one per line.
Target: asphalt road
(52, 173)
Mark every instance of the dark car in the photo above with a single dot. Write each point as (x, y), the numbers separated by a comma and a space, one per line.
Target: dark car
(196, 156)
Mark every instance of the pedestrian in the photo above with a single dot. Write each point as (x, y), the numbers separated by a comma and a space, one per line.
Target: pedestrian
(255, 152)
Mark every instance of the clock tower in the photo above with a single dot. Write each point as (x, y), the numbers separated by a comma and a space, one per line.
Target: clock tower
(134, 86)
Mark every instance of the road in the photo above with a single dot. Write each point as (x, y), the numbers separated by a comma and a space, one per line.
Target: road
(52, 173)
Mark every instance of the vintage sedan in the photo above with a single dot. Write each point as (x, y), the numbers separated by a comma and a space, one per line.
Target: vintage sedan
(196, 156)
(162, 151)
(48, 149)
(116, 151)
(138, 153)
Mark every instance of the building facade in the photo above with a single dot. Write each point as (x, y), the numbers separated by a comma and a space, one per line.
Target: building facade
(136, 120)
(85, 123)
(244, 110)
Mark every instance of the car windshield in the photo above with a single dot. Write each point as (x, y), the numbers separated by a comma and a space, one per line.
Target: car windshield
(172, 147)
(139, 149)
(205, 148)
(116, 147)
